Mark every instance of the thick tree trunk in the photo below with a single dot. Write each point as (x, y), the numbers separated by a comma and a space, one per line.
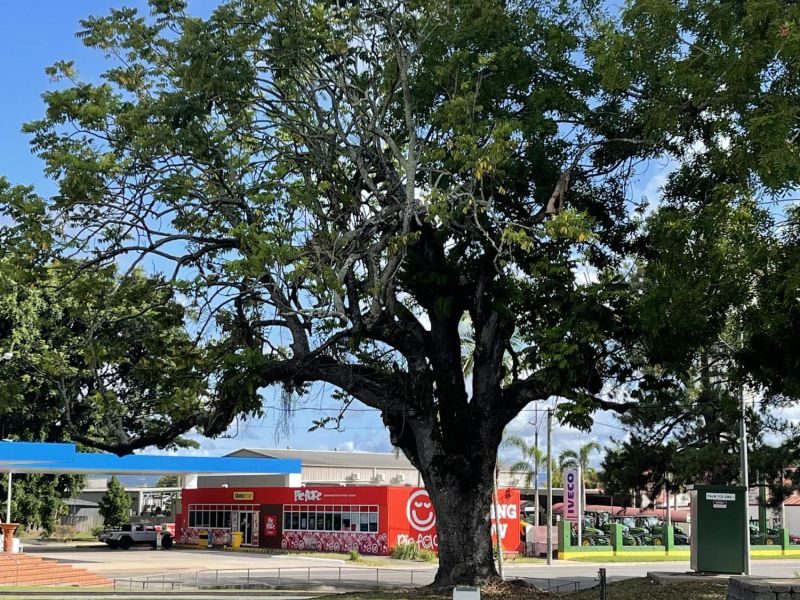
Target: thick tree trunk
(459, 481)
(464, 530)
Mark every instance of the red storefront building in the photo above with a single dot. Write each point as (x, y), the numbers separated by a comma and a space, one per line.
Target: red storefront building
(370, 519)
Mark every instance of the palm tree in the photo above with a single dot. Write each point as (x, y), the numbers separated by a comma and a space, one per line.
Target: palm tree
(556, 473)
(581, 458)
(530, 465)
(532, 459)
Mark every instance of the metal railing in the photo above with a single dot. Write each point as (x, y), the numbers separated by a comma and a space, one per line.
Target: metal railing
(553, 584)
(305, 577)
(275, 577)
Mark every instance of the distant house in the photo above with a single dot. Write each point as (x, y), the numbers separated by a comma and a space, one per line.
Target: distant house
(83, 515)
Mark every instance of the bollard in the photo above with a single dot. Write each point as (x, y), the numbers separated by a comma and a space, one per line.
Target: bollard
(603, 595)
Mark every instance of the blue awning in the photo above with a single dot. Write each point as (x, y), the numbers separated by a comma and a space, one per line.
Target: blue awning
(40, 457)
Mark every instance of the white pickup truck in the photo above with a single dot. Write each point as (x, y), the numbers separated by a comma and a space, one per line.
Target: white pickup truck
(132, 534)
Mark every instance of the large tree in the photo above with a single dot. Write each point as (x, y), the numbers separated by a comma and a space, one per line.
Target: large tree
(335, 186)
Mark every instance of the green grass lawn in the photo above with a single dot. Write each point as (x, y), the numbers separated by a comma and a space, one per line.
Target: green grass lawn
(633, 558)
(638, 589)
(630, 589)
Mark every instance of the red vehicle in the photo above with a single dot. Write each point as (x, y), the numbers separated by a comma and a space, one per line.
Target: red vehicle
(369, 519)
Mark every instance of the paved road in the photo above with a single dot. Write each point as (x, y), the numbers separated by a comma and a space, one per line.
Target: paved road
(143, 567)
(146, 561)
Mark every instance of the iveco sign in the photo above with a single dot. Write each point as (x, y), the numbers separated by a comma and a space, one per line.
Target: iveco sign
(571, 494)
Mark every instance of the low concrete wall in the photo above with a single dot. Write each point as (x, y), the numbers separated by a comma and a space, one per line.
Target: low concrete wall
(763, 588)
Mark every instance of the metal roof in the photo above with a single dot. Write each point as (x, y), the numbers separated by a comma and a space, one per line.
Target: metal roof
(331, 458)
(80, 502)
(40, 457)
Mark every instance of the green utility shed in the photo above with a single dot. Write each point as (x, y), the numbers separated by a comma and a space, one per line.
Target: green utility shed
(718, 540)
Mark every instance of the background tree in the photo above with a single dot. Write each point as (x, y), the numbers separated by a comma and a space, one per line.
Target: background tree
(717, 266)
(168, 481)
(337, 186)
(581, 458)
(38, 500)
(95, 358)
(529, 466)
(115, 505)
(556, 474)
(530, 463)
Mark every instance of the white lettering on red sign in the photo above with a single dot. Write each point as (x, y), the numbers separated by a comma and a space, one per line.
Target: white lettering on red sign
(307, 495)
(506, 511)
(424, 541)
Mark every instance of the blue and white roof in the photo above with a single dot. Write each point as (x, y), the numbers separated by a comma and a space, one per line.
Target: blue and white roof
(40, 457)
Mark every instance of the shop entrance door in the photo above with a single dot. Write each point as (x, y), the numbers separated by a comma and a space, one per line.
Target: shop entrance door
(243, 521)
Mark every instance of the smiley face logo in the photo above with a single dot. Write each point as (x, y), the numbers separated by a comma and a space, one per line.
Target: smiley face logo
(419, 511)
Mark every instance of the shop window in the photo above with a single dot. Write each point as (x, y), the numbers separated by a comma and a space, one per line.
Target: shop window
(373, 521)
(331, 518)
(217, 516)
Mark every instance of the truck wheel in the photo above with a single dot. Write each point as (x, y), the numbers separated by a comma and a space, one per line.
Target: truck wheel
(166, 542)
(125, 543)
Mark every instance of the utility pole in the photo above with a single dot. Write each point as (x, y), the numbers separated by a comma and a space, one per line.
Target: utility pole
(550, 486)
(580, 505)
(536, 472)
(498, 545)
(746, 484)
(666, 490)
(783, 502)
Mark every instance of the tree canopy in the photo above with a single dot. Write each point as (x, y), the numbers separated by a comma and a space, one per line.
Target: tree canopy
(334, 187)
(91, 357)
(115, 505)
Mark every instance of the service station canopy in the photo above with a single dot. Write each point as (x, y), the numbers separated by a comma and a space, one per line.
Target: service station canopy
(38, 457)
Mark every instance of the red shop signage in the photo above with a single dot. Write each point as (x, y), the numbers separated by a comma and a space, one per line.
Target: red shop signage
(270, 525)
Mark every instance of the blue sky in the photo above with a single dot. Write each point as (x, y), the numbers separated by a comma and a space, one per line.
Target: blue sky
(36, 33)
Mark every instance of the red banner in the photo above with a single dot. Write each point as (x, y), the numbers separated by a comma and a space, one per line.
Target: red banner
(270, 525)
